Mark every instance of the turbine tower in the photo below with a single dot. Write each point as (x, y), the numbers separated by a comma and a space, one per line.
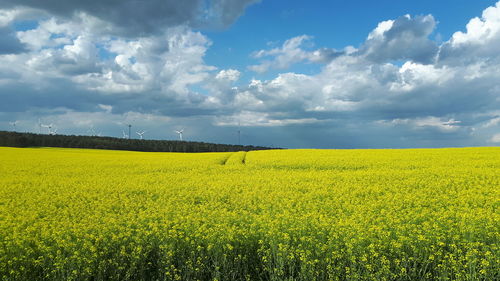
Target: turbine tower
(129, 127)
(13, 124)
(239, 132)
(140, 134)
(180, 133)
(93, 132)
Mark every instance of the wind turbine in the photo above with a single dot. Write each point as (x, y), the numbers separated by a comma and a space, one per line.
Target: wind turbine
(140, 134)
(13, 124)
(180, 133)
(239, 132)
(47, 126)
(451, 122)
(92, 131)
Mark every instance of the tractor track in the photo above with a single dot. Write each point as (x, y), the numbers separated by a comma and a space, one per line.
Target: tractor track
(235, 159)
(227, 158)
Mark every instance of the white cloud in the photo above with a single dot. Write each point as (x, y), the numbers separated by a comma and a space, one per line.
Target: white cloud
(478, 44)
(449, 125)
(495, 138)
(291, 52)
(228, 75)
(7, 16)
(413, 75)
(442, 124)
(106, 108)
(480, 30)
(378, 32)
(492, 122)
(260, 119)
(168, 63)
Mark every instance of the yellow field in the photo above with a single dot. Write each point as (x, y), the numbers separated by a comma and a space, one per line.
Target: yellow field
(427, 214)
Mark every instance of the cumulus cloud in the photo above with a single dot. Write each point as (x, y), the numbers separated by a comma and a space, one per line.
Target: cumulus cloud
(167, 63)
(405, 38)
(478, 44)
(480, 30)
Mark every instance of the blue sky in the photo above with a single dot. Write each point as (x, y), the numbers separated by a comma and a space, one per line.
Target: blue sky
(319, 74)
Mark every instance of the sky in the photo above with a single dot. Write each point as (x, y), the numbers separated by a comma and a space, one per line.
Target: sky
(292, 74)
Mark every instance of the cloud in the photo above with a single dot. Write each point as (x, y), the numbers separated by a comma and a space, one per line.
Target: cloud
(133, 18)
(492, 122)
(478, 44)
(167, 63)
(7, 16)
(228, 75)
(291, 52)
(449, 125)
(480, 30)
(495, 138)
(260, 119)
(405, 38)
(106, 108)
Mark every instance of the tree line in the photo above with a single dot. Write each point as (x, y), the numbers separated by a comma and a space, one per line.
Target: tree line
(14, 139)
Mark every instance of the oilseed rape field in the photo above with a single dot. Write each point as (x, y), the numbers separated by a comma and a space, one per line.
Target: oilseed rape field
(411, 214)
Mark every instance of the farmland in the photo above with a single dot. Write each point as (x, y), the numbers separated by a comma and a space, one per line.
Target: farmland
(416, 214)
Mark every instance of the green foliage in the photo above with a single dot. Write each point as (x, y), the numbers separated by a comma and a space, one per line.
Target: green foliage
(14, 139)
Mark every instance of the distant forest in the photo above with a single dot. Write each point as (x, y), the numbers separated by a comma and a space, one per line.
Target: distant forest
(14, 139)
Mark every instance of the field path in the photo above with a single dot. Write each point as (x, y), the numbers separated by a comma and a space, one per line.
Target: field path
(224, 161)
(237, 158)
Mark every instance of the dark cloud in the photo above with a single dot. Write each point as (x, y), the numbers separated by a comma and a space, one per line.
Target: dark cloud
(9, 43)
(136, 17)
